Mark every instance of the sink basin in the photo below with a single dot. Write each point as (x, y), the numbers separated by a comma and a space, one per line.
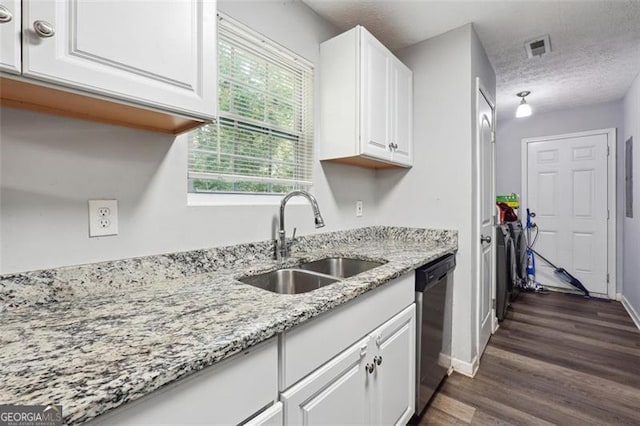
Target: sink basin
(289, 281)
(341, 267)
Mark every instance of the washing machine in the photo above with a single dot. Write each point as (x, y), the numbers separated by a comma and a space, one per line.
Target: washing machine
(505, 269)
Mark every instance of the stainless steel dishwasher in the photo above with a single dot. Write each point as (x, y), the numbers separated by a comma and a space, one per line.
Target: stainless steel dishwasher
(434, 294)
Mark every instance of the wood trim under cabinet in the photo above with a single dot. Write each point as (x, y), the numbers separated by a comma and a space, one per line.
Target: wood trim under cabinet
(364, 162)
(35, 97)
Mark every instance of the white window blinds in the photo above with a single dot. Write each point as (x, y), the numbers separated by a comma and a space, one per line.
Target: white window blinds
(262, 141)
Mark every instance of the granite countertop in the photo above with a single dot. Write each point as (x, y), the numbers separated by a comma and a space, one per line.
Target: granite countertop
(94, 337)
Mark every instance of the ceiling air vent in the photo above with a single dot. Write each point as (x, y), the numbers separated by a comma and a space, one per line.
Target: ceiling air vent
(538, 46)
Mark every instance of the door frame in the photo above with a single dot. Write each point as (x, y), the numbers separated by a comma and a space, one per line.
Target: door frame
(480, 90)
(612, 243)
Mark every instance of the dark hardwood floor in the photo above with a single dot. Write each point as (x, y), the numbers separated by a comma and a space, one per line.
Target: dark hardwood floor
(556, 359)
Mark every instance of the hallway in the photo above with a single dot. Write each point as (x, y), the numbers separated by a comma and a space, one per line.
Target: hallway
(556, 359)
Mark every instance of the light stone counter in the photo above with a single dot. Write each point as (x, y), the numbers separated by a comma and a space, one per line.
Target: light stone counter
(94, 337)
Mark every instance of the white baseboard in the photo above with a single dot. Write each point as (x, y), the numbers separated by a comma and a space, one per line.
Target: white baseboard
(632, 312)
(576, 292)
(465, 368)
(495, 325)
(619, 297)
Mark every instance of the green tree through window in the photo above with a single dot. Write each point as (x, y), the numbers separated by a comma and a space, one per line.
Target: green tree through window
(262, 141)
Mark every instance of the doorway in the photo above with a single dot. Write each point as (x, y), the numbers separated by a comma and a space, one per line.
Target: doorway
(569, 182)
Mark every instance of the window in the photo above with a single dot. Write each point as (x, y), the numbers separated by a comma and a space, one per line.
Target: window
(262, 141)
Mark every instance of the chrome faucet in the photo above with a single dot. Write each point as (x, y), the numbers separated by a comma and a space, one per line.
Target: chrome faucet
(282, 250)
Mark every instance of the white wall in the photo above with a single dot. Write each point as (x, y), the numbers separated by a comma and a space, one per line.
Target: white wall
(631, 286)
(593, 117)
(50, 166)
(510, 133)
(437, 191)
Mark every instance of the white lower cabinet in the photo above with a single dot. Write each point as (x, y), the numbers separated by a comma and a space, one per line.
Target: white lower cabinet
(224, 394)
(372, 382)
(352, 365)
(270, 417)
(394, 390)
(337, 393)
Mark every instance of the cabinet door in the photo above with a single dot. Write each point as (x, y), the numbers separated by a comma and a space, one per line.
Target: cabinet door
(10, 30)
(375, 98)
(394, 399)
(337, 393)
(402, 113)
(160, 53)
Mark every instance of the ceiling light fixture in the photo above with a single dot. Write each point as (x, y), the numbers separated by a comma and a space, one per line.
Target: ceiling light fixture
(524, 109)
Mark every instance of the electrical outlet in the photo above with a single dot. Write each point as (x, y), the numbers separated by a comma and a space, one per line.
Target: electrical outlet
(359, 208)
(103, 218)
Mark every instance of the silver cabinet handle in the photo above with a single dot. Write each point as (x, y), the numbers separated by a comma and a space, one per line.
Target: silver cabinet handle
(485, 239)
(370, 368)
(390, 146)
(363, 350)
(377, 359)
(43, 29)
(5, 15)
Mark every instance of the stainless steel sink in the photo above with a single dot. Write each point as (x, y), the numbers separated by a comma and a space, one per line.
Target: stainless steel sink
(289, 281)
(341, 267)
(310, 276)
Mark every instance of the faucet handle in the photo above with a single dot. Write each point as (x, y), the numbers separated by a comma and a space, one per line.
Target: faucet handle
(290, 243)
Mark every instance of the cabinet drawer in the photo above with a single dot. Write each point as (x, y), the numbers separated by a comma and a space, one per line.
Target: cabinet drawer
(308, 346)
(226, 393)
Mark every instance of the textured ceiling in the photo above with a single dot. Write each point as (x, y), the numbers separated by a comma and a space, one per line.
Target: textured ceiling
(595, 44)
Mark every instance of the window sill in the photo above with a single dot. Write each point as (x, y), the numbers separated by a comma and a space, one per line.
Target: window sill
(213, 200)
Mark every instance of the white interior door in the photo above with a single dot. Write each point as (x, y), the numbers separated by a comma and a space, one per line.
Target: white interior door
(566, 186)
(486, 196)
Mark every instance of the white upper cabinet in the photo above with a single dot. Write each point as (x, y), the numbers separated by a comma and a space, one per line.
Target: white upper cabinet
(160, 54)
(402, 114)
(366, 102)
(376, 98)
(10, 29)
